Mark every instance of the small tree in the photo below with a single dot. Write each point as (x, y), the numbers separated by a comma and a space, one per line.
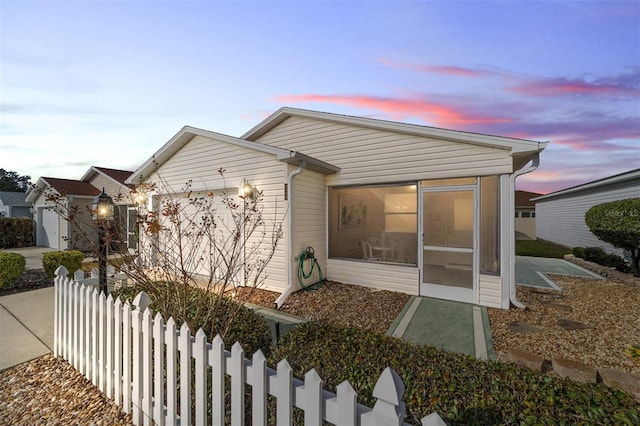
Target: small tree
(13, 182)
(214, 241)
(618, 223)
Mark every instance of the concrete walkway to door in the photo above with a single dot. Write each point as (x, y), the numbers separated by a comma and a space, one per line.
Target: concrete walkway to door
(453, 326)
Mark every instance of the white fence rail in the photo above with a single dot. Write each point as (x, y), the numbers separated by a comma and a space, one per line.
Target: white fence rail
(134, 359)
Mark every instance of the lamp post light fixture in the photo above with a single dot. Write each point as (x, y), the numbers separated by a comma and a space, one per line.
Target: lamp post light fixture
(102, 208)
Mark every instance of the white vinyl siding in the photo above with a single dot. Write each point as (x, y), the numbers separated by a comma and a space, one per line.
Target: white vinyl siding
(490, 291)
(199, 161)
(310, 217)
(382, 276)
(374, 156)
(561, 220)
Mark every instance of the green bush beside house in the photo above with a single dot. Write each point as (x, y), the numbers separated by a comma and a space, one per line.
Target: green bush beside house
(72, 260)
(12, 266)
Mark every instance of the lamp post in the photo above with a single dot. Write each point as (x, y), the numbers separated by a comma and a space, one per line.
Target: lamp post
(102, 207)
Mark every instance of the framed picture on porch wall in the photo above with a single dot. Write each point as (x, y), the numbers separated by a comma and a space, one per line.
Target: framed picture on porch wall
(353, 211)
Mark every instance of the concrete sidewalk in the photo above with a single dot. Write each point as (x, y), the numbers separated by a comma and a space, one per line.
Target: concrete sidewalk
(26, 326)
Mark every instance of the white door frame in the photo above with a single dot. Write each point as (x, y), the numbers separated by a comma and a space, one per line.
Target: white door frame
(443, 291)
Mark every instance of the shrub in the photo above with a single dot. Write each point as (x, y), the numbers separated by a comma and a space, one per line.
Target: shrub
(246, 327)
(461, 389)
(16, 232)
(72, 260)
(618, 223)
(578, 252)
(11, 268)
(601, 257)
(595, 254)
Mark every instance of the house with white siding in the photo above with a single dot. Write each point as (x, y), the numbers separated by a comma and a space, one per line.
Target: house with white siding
(560, 214)
(387, 205)
(54, 231)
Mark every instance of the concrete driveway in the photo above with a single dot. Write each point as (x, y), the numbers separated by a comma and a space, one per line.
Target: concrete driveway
(26, 326)
(33, 255)
(26, 319)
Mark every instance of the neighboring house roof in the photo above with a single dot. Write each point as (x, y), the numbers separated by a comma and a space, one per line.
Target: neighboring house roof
(64, 187)
(9, 198)
(596, 184)
(523, 199)
(187, 133)
(119, 176)
(513, 144)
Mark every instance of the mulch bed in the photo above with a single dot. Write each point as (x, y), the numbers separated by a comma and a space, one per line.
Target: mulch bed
(31, 279)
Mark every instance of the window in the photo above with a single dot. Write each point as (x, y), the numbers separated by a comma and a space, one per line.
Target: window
(525, 214)
(374, 223)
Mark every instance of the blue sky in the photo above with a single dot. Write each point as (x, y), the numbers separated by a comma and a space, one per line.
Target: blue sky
(107, 83)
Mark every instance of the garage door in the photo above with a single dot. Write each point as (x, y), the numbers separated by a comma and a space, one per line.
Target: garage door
(47, 234)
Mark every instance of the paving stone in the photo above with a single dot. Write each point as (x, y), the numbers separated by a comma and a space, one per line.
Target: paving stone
(574, 370)
(621, 380)
(522, 327)
(524, 358)
(568, 324)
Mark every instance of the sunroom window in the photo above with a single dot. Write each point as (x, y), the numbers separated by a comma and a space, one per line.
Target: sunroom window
(374, 223)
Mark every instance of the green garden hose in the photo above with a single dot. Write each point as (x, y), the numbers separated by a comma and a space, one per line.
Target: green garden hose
(308, 254)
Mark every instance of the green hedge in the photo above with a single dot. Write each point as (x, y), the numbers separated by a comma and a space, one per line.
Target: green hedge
(461, 389)
(72, 260)
(11, 268)
(16, 232)
(601, 257)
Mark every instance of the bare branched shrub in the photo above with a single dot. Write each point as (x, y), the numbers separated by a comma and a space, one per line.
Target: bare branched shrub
(187, 239)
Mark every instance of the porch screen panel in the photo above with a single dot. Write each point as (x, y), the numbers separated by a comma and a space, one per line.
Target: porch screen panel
(374, 223)
(489, 225)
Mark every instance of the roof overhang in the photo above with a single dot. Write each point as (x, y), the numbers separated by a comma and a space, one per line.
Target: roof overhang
(187, 133)
(38, 189)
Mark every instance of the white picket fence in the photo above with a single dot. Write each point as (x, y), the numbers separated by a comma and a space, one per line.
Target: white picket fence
(120, 350)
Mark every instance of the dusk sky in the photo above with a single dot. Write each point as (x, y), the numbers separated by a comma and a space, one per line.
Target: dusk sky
(107, 83)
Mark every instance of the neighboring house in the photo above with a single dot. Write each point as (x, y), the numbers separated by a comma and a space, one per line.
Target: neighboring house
(526, 213)
(52, 230)
(560, 214)
(388, 205)
(14, 204)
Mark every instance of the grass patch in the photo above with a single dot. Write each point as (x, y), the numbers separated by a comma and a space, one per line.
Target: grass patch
(538, 248)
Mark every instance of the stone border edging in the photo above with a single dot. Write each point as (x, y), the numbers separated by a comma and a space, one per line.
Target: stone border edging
(574, 370)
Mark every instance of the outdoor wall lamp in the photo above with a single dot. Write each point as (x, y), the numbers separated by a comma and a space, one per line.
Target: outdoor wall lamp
(139, 197)
(102, 208)
(248, 191)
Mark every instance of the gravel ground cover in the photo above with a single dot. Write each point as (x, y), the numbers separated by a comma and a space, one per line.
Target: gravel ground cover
(338, 304)
(50, 391)
(608, 311)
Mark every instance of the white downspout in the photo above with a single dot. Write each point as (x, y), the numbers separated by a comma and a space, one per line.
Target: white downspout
(289, 249)
(512, 229)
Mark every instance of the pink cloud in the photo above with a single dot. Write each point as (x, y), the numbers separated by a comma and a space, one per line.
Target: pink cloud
(437, 69)
(623, 85)
(440, 114)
